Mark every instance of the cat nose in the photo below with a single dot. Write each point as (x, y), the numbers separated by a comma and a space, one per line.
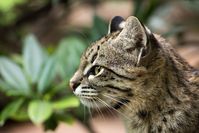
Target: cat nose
(74, 85)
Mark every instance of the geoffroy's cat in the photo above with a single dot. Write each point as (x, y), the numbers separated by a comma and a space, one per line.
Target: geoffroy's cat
(140, 75)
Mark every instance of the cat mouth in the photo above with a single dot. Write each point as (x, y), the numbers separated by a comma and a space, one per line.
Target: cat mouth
(88, 96)
(91, 103)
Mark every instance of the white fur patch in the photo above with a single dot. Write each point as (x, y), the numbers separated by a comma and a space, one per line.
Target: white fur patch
(122, 24)
(91, 77)
(147, 30)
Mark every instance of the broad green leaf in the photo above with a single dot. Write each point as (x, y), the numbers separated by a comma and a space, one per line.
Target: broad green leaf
(68, 102)
(33, 57)
(47, 74)
(14, 76)
(39, 111)
(10, 110)
(69, 53)
(8, 90)
(21, 115)
(3, 86)
(17, 58)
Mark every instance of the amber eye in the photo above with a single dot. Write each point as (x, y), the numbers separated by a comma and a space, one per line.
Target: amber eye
(96, 70)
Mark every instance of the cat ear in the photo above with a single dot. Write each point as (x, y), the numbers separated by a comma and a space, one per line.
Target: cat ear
(134, 38)
(116, 23)
(134, 32)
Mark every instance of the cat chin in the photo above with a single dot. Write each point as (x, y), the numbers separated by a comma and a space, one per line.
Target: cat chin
(91, 103)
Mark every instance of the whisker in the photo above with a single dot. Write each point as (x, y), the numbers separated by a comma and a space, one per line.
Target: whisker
(111, 97)
(99, 111)
(89, 109)
(108, 108)
(84, 113)
(114, 109)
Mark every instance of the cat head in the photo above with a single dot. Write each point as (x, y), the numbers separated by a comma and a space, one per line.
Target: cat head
(114, 68)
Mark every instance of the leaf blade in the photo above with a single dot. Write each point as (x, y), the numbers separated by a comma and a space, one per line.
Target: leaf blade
(67, 102)
(47, 74)
(69, 53)
(33, 57)
(10, 110)
(14, 76)
(39, 111)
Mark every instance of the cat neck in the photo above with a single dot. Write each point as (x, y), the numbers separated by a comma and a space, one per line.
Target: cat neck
(172, 105)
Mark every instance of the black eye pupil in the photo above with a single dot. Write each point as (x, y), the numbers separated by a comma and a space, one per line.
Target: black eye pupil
(97, 70)
(94, 70)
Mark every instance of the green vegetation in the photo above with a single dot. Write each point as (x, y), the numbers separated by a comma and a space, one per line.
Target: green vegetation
(34, 82)
(37, 82)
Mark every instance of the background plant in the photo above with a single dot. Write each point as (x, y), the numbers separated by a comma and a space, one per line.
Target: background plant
(37, 82)
(34, 77)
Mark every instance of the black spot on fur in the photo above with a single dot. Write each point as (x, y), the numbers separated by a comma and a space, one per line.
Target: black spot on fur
(130, 94)
(101, 55)
(129, 50)
(121, 103)
(98, 47)
(112, 78)
(187, 114)
(159, 108)
(142, 114)
(171, 111)
(164, 120)
(159, 129)
(93, 58)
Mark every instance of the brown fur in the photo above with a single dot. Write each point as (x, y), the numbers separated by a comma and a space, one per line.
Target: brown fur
(157, 92)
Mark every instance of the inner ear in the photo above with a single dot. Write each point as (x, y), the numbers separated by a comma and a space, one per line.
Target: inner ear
(117, 23)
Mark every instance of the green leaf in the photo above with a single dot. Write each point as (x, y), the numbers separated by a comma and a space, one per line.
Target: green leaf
(47, 74)
(99, 29)
(69, 119)
(3, 86)
(7, 89)
(17, 58)
(68, 102)
(21, 114)
(6, 5)
(150, 7)
(69, 53)
(33, 56)
(14, 76)
(39, 111)
(51, 123)
(10, 110)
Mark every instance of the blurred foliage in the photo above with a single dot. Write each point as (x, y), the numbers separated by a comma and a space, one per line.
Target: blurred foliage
(35, 83)
(10, 10)
(99, 29)
(6, 10)
(148, 7)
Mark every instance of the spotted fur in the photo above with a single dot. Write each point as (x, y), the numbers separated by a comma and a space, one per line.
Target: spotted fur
(141, 76)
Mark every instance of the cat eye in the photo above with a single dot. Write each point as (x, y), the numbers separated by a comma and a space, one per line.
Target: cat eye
(95, 70)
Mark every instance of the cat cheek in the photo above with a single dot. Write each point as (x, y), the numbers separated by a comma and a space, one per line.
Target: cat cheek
(91, 77)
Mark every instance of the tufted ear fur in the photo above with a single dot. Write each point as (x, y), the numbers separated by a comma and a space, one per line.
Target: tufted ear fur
(116, 23)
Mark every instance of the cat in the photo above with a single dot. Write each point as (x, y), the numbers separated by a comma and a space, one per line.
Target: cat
(138, 74)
